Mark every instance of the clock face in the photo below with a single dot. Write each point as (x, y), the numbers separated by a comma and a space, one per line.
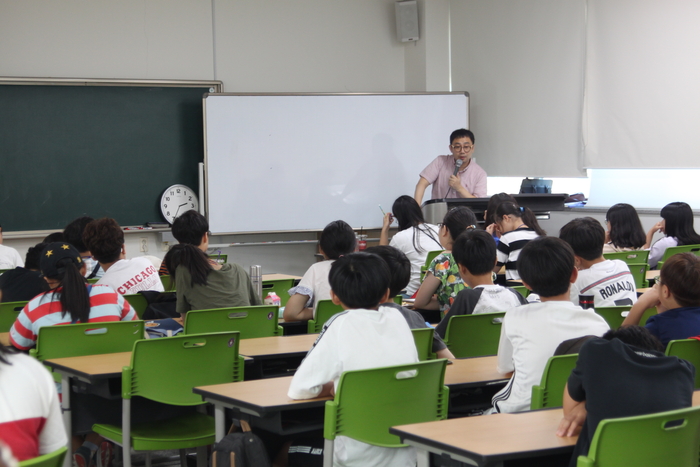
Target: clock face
(176, 200)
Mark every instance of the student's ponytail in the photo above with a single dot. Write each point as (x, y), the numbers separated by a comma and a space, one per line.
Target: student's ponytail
(530, 220)
(74, 299)
(190, 257)
(525, 214)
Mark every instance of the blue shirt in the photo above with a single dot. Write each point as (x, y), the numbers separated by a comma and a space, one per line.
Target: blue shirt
(679, 323)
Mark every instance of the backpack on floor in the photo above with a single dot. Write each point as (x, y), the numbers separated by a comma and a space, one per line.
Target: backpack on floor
(240, 449)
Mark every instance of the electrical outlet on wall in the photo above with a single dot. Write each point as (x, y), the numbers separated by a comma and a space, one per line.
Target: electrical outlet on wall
(144, 245)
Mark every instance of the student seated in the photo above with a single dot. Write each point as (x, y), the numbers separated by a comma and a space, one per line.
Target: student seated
(73, 234)
(531, 333)
(515, 226)
(415, 238)
(202, 283)
(400, 270)
(9, 257)
(191, 228)
(364, 336)
(105, 240)
(610, 282)
(24, 283)
(624, 229)
(676, 296)
(475, 253)
(337, 239)
(624, 374)
(30, 419)
(442, 278)
(677, 226)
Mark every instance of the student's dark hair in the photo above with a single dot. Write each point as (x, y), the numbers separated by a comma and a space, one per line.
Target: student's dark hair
(409, 214)
(31, 261)
(190, 227)
(462, 133)
(626, 229)
(54, 237)
(546, 264)
(527, 216)
(337, 239)
(73, 294)
(5, 351)
(681, 274)
(636, 336)
(476, 251)
(399, 267)
(104, 238)
(359, 280)
(192, 258)
(73, 233)
(459, 219)
(494, 201)
(586, 237)
(679, 223)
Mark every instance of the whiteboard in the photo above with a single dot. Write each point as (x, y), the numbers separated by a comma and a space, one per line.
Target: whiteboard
(281, 162)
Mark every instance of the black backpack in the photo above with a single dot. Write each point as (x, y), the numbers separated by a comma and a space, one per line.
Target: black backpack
(160, 305)
(240, 449)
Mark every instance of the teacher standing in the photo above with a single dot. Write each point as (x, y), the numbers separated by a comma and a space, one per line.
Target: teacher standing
(456, 175)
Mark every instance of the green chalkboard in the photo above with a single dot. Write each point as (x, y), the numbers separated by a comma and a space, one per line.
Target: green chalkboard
(108, 150)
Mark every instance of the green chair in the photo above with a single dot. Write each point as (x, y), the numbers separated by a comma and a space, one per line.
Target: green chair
(687, 349)
(324, 310)
(167, 285)
(615, 315)
(639, 273)
(549, 393)
(52, 459)
(3, 270)
(672, 250)
(521, 289)
(165, 370)
(428, 259)
(93, 280)
(423, 338)
(474, 335)
(664, 438)
(278, 286)
(74, 340)
(368, 402)
(629, 257)
(398, 300)
(138, 302)
(250, 321)
(220, 259)
(8, 314)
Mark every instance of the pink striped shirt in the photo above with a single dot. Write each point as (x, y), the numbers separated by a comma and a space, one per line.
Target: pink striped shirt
(438, 173)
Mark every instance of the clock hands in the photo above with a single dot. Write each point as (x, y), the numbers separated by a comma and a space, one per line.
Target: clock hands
(178, 209)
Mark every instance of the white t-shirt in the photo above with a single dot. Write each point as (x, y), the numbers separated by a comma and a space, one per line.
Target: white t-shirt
(529, 336)
(30, 414)
(315, 283)
(9, 258)
(658, 248)
(356, 340)
(403, 241)
(129, 276)
(610, 282)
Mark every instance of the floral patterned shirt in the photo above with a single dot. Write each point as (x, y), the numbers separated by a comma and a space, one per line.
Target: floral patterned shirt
(445, 268)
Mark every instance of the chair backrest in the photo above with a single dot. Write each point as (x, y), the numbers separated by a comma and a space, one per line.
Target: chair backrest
(687, 349)
(672, 250)
(428, 259)
(639, 273)
(474, 335)
(138, 302)
(664, 438)
(521, 289)
(167, 285)
(398, 300)
(368, 402)
(423, 338)
(250, 321)
(615, 315)
(324, 310)
(74, 340)
(554, 377)
(629, 257)
(93, 280)
(278, 286)
(8, 314)
(165, 370)
(52, 459)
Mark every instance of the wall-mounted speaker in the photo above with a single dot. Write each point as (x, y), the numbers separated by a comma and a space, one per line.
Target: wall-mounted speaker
(407, 20)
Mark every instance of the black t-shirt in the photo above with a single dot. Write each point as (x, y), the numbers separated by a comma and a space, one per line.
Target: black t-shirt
(21, 284)
(618, 380)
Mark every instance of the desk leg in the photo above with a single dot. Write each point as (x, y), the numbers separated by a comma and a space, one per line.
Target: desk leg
(423, 458)
(67, 422)
(219, 422)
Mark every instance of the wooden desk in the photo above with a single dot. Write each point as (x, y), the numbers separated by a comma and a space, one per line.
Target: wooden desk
(4, 338)
(473, 372)
(653, 274)
(274, 277)
(275, 356)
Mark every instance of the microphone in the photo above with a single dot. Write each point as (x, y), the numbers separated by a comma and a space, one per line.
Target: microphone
(458, 164)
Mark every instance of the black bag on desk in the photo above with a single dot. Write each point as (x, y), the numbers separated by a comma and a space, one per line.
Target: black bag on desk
(160, 305)
(240, 449)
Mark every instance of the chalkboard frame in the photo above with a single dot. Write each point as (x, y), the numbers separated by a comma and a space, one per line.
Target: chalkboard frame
(21, 177)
